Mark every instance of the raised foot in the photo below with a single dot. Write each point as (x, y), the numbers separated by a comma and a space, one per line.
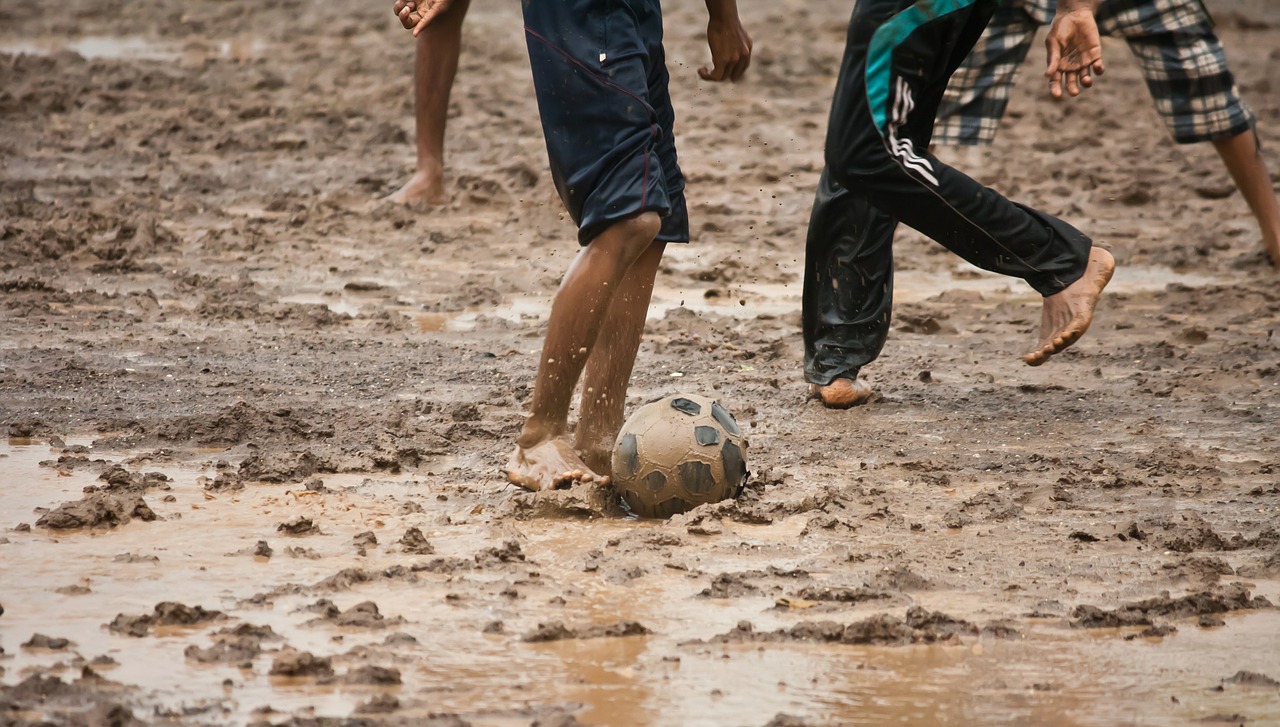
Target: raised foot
(549, 465)
(422, 189)
(842, 393)
(1067, 314)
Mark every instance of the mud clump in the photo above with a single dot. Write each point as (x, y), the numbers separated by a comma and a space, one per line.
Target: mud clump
(167, 613)
(861, 594)
(87, 701)
(41, 641)
(510, 552)
(919, 626)
(1251, 679)
(118, 479)
(298, 526)
(363, 615)
(239, 645)
(97, 510)
(380, 704)
(416, 543)
(373, 675)
(281, 467)
(301, 664)
(557, 631)
(1234, 597)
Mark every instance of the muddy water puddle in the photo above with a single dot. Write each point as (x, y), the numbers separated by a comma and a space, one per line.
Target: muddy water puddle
(102, 47)
(737, 300)
(467, 621)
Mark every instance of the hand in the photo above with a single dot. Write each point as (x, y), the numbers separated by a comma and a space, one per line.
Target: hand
(416, 18)
(1075, 52)
(730, 50)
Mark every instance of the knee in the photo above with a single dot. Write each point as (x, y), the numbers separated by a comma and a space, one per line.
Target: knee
(641, 229)
(635, 234)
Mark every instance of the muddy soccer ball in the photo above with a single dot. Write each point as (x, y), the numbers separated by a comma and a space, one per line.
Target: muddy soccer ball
(676, 453)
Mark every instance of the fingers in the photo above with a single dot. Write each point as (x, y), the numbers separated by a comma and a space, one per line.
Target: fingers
(433, 10)
(730, 69)
(406, 10)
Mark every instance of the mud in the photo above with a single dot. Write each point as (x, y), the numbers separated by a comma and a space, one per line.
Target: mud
(231, 379)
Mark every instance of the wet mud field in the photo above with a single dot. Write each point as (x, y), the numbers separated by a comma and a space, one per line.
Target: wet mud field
(255, 419)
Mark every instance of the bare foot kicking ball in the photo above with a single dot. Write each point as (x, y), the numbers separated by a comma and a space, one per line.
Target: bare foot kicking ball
(549, 465)
(422, 189)
(842, 393)
(1067, 314)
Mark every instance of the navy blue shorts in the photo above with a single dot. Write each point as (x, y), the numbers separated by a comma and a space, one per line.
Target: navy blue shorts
(600, 74)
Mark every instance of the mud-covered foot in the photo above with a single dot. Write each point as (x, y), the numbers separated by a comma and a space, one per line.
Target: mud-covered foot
(841, 393)
(549, 465)
(422, 189)
(1066, 315)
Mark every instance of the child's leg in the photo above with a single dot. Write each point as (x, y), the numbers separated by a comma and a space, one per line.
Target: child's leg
(1242, 156)
(435, 63)
(544, 456)
(604, 386)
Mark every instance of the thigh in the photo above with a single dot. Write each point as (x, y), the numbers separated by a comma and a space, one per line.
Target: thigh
(590, 66)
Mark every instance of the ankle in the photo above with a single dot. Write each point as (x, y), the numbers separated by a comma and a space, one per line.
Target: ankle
(536, 432)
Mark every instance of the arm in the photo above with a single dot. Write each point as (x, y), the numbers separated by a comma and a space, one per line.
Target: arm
(729, 42)
(1074, 49)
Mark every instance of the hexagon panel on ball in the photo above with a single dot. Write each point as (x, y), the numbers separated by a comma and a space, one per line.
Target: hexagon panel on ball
(677, 453)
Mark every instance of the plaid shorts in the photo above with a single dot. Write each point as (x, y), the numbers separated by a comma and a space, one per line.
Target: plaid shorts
(1182, 60)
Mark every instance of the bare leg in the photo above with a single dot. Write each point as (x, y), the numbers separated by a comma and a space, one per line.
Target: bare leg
(544, 456)
(1243, 159)
(604, 392)
(435, 63)
(1066, 315)
(842, 393)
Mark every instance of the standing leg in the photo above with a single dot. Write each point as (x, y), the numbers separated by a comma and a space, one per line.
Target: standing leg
(435, 63)
(604, 392)
(1195, 93)
(604, 383)
(1242, 155)
(544, 457)
(848, 292)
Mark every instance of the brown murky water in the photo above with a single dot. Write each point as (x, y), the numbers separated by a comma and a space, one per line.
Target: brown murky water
(202, 549)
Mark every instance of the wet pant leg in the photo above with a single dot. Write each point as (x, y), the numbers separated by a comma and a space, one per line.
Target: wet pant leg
(898, 58)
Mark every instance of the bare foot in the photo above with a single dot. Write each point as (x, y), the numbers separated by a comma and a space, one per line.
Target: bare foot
(842, 393)
(1067, 314)
(549, 465)
(423, 188)
(1272, 247)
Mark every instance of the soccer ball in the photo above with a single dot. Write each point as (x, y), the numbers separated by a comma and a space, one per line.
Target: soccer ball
(677, 453)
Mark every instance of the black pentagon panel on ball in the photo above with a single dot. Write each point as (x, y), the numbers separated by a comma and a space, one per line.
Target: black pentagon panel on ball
(655, 481)
(706, 435)
(726, 420)
(697, 477)
(735, 467)
(686, 406)
(674, 506)
(630, 452)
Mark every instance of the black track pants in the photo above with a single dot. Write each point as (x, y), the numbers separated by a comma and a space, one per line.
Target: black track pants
(898, 58)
